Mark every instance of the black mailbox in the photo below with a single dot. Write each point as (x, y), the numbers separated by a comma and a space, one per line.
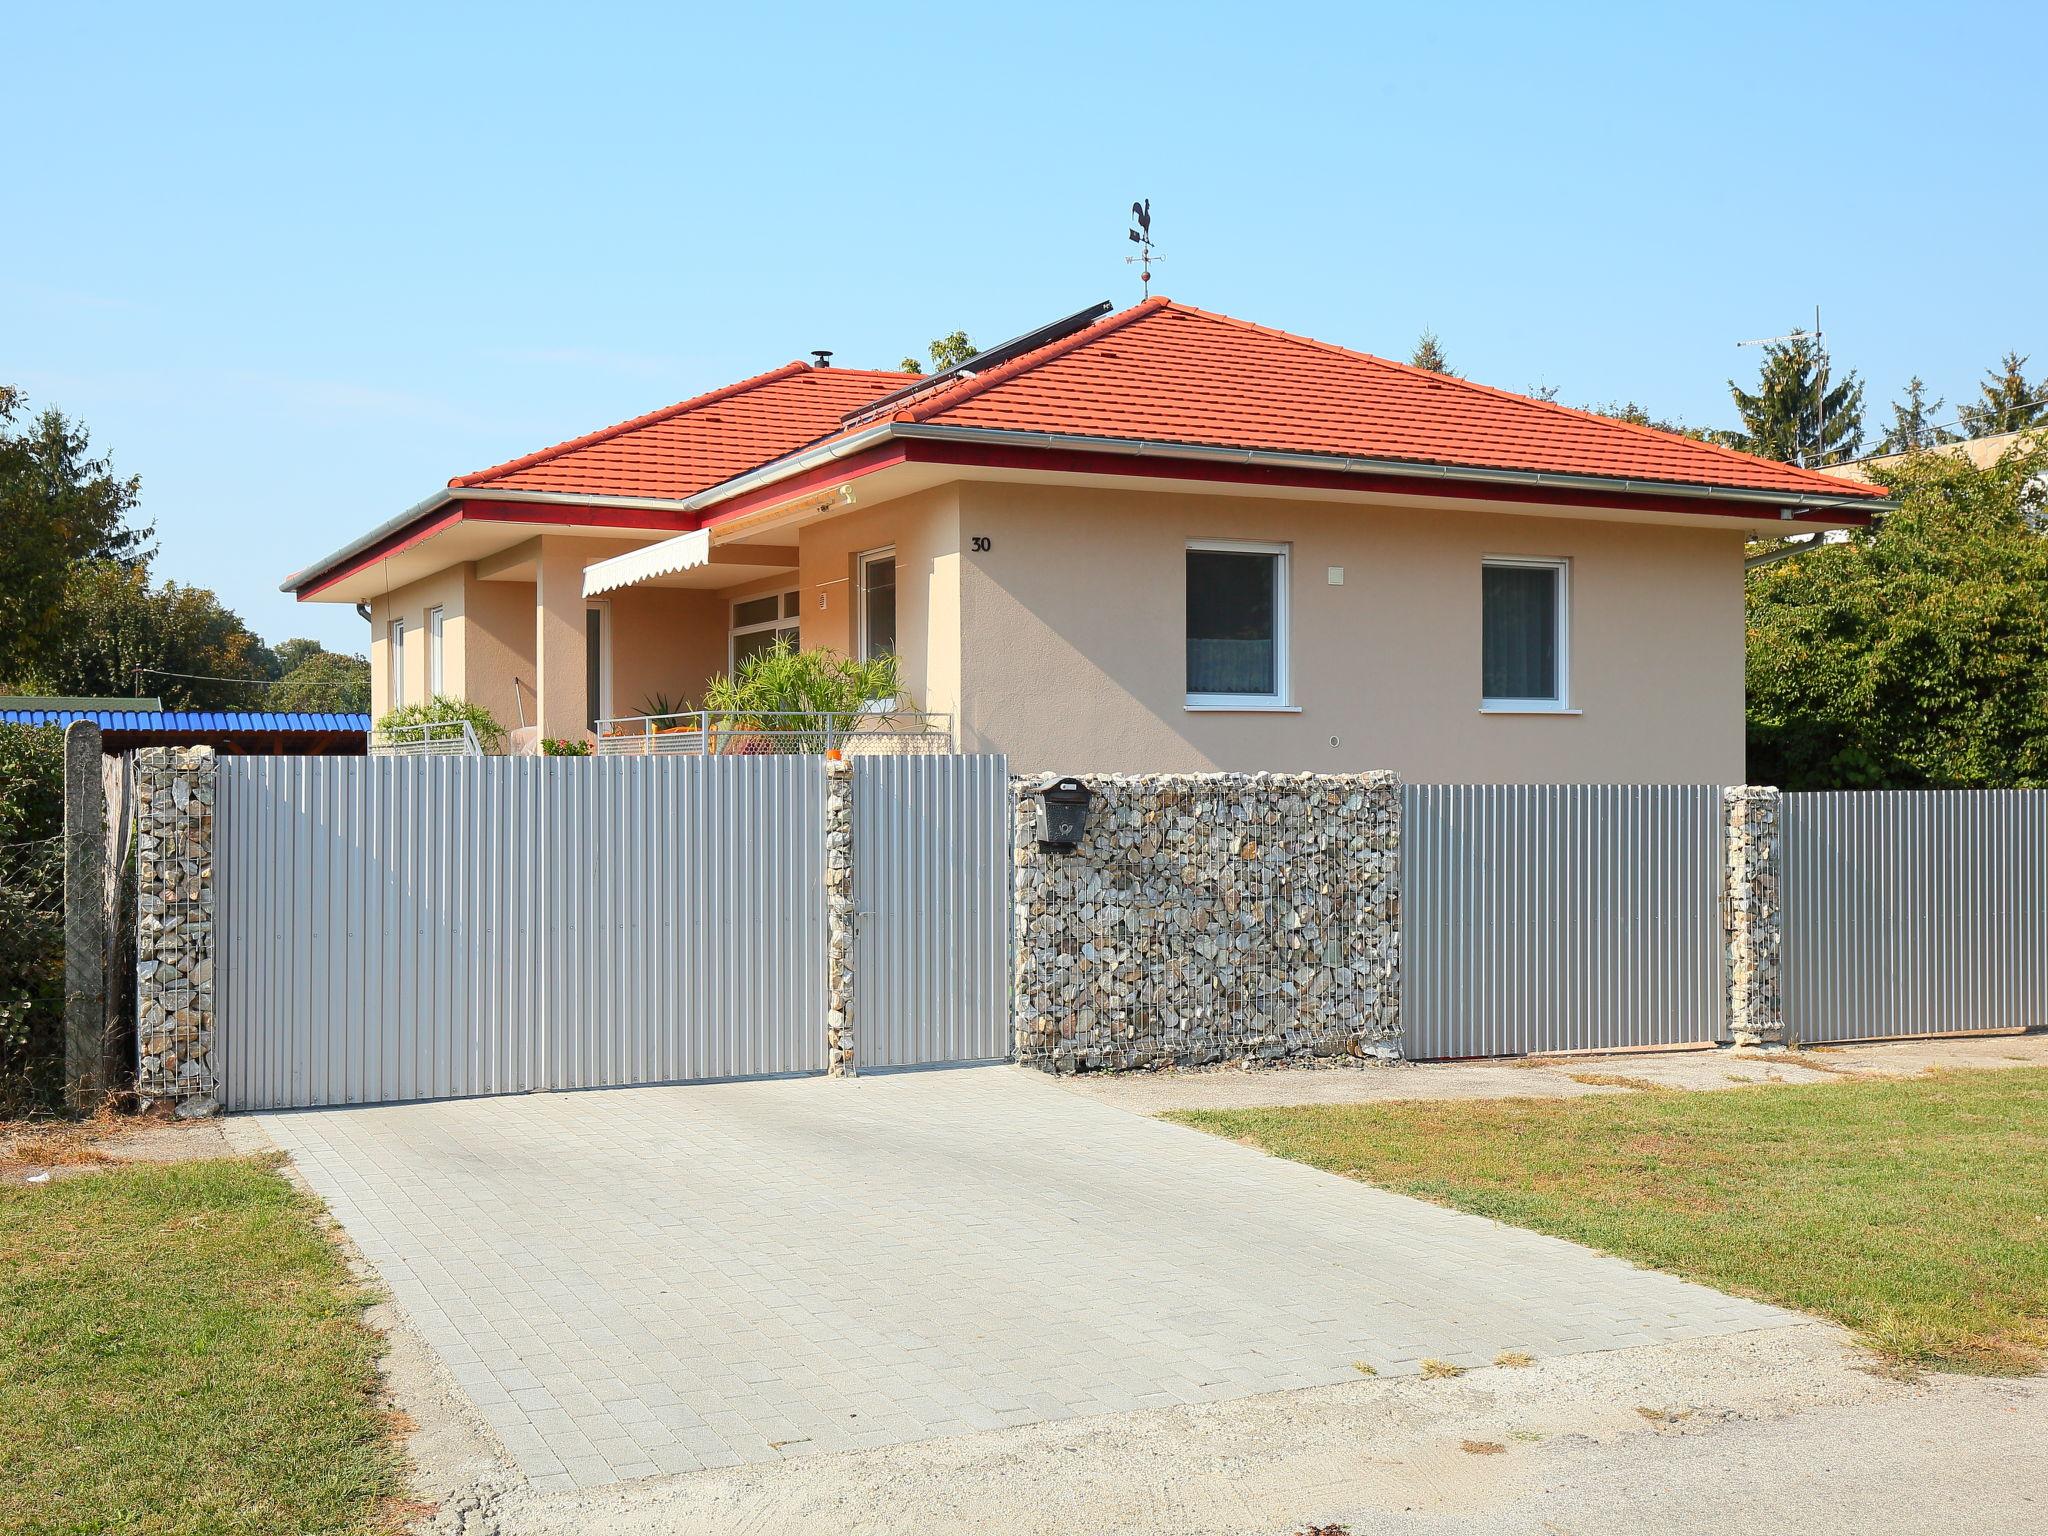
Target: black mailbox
(1063, 812)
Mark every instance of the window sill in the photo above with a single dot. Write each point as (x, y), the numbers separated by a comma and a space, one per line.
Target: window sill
(1242, 709)
(1527, 709)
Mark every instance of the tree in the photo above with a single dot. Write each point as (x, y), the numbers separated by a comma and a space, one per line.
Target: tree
(1793, 416)
(58, 506)
(946, 351)
(323, 681)
(180, 639)
(1913, 422)
(1915, 655)
(2011, 404)
(293, 654)
(1429, 355)
(1635, 415)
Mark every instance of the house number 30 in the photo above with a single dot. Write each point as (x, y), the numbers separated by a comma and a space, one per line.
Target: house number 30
(982, 546)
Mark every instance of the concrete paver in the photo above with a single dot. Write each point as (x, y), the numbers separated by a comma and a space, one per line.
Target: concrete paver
(638, 1281)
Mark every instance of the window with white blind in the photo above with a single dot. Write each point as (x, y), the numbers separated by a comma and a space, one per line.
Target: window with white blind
(436, 653)
(1236, 625)
(1526, 618)
(397, 649)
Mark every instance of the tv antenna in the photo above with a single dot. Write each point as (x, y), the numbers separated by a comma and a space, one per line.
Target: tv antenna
(1142, 238)
(1820, 385)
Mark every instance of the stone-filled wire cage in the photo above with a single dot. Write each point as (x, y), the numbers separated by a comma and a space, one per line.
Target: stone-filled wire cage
(1206, 918)
(174, 931)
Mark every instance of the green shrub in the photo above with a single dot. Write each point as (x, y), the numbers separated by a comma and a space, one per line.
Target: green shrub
(563, 746)
(31, 914)
(443, 710)
(817, 682)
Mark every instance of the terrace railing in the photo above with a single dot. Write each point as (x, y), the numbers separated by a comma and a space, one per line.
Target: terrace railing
(716, 733)
(436, 738)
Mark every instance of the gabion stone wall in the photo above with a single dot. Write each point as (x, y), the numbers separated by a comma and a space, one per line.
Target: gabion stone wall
(1754, 922)
(841, 1058)
(1210, 918)
(174, 790)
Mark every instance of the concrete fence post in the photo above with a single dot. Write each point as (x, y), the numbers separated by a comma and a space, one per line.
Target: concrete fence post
(1752, 917)
(174, 1001)
(85, 938)
(842, 1059)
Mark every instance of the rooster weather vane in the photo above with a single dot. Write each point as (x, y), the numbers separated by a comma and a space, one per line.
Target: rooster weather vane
(1142, 238)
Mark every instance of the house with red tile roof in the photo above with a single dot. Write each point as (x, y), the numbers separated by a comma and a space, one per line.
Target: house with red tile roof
(1160, 539)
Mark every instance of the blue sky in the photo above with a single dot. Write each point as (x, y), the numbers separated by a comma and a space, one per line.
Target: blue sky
(296, 266)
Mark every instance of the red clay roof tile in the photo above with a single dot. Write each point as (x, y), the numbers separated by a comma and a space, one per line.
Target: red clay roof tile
(683, 448)
(1169, 373)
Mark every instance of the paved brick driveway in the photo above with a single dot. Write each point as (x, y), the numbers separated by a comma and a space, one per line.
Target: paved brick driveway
(655, 1280)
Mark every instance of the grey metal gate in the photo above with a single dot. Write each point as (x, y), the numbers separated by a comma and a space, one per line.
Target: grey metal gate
(931, 886)
(429, 927)
(1914, 912)
(1560, 917)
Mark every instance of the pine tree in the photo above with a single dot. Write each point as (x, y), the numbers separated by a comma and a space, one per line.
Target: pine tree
(2011, 404)
(1793, 417)
(1429, 355)
(1913, 422)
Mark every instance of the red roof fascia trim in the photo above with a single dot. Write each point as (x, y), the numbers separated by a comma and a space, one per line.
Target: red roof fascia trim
(1085, 462)
(641, 518)
(397, 543)
(485, 511)
(881, 456)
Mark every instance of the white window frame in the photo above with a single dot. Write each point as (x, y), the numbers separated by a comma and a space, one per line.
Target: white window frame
(861, 562)
(1282, 697)
(784, 618)
(437, 641)
(395, 643)
(1562, 703)
(600, 707)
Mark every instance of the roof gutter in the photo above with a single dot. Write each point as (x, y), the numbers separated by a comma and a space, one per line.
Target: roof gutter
(1787, 504)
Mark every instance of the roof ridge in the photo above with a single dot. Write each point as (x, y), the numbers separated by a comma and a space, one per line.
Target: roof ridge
(650, 418)
(980, 383)
(1821, 481)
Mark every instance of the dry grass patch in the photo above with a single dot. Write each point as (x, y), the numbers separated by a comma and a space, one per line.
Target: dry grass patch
(1514, 1359)
(1912, 1210)
(1436, 1370)
(1618, 1080)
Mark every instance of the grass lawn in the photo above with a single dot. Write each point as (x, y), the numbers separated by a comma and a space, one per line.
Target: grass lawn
(1915, 1211)
(181, 1350)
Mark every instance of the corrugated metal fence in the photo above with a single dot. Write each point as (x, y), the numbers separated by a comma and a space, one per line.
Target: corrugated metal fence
(1560, 917)
(1914, 912)
(417, 927)
(931, 873)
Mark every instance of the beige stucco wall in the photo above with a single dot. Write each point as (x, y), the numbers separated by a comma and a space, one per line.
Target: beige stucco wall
(445, 590)
(1073, 641)
(925, 531)
(663, 639)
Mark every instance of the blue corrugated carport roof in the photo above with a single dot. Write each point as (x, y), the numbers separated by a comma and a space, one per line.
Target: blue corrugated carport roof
(218, 720)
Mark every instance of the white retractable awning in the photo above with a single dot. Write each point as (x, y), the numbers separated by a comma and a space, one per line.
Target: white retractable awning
(687, 560)
(684, 552)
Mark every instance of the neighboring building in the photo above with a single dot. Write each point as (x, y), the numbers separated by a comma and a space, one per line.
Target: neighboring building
(126, 724)
(1157, 540)
(1980, 451)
